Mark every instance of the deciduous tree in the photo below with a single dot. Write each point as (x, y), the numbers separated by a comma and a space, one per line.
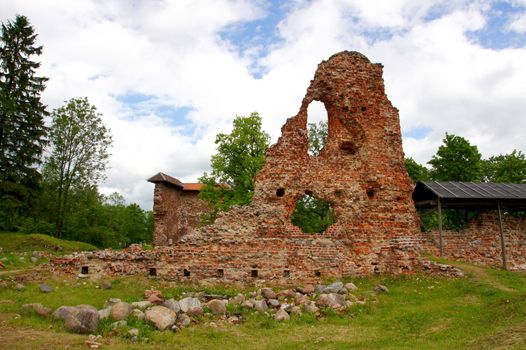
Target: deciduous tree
(456, 160)
(239, 157)
(505, 168)
(79, 152)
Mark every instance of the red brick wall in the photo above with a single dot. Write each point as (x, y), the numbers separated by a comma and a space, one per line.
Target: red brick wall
(360, 172)
(479, 242)
(176, 213)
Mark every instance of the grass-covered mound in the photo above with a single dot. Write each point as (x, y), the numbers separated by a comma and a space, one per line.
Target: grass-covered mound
(19, 242)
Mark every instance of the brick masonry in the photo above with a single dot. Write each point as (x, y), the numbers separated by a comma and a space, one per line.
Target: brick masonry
(360, 172)
(479, 241)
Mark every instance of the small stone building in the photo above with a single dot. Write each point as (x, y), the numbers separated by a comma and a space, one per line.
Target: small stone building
(176, 207)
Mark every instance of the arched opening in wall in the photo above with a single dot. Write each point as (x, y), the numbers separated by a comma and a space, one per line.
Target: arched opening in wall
(312, 215)
(317, 127)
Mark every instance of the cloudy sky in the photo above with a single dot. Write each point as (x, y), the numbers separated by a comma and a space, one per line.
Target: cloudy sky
(169, 75)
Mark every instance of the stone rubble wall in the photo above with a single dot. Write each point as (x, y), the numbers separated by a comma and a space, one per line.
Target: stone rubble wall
(360, 172)
(479, 242)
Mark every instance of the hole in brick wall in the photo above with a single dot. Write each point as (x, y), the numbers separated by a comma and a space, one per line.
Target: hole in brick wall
(220, 272)
(280, 192)
(364, 109)
(348, 147)
(84, 270)
(286, 273)
(186, 273)
(370, 193)
(317, 127)
(312, 215)
(254, 273)
(153, 271)
(317, 274)
(338, 193)
(376, 270)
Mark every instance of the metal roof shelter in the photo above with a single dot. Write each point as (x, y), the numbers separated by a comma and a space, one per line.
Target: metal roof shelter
(470, 195)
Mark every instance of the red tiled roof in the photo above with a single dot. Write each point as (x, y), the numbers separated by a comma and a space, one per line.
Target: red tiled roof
(192, 187)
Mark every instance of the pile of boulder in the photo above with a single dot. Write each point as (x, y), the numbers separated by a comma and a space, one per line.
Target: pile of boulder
(171, 314)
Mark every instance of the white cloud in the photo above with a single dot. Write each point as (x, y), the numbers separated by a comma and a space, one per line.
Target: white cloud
(172, 51)
(519, 24)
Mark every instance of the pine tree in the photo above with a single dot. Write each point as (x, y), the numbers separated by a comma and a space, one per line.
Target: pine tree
(22, 129)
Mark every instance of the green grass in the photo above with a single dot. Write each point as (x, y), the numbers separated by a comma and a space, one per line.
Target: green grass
(486, 309)
(19, 242)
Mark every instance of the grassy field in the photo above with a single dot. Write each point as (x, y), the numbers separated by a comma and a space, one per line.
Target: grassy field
(484, 310)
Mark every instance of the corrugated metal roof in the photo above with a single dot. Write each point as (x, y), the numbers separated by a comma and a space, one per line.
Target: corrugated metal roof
(471, 190)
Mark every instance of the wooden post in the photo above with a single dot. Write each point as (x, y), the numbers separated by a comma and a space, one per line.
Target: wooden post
(440, 227)
(502, 240)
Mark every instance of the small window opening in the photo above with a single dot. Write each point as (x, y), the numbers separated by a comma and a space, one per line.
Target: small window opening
(317, 274)
(348, 147)
(317, 127)
(254, 273)
(153, 271)
(370, 193)
(312, 215)
(286, 273)
(280, 192)
(186, 273)
(84, 270)
(220, 273)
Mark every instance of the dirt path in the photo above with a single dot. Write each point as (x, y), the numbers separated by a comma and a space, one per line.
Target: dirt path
(480, 274)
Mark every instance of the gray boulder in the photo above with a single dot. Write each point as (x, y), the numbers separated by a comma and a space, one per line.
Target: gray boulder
(104, 313)
(142, 304)
(332, 300)
(217, 306)
(62, 312)
(333, 288)
(351, 287)
(281, 315)
(120, 311)
(82, 320)
(268, 293)
(381, 289)
(260, 305)
(189, 303)
(161, 317)
(183, 320)
(173, 305)
(37, 308)
(273, 303)
(44, 288)
(138, 314)
(112, 301)
(310, 307)
(237, 300)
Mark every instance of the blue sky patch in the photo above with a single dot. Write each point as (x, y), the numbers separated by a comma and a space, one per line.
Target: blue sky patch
(496, 33)
(418, 133)
(142, 104)
(258, 36)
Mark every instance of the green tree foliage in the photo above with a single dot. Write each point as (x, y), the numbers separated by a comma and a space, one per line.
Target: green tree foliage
(456, 160)
(239, 157)
(417, 172)
(317, 134)
(509, 168)
(22, 130)
(312, 215)
(78, 155)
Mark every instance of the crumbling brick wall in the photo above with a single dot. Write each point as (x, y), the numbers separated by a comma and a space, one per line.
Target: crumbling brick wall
(177, 209)
(360, 171)
(479, 241)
